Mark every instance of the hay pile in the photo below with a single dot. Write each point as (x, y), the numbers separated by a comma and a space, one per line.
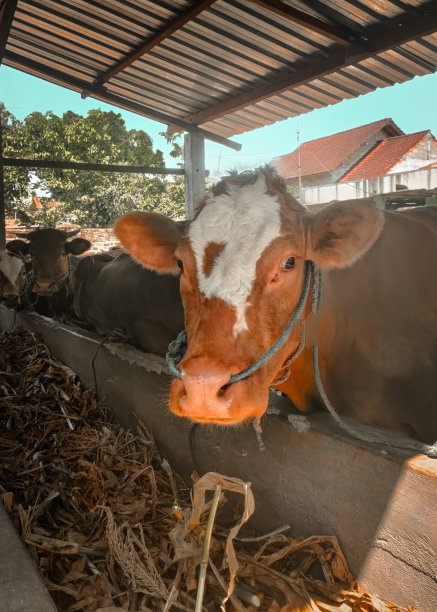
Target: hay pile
(111, 527)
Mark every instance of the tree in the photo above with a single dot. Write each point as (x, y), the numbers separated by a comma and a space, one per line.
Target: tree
(94, 199)
(17, 181)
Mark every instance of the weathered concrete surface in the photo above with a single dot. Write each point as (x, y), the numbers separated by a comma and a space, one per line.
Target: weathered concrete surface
(380, 503)
(21, 587)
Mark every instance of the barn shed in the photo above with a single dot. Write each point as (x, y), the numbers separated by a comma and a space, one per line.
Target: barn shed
(216, 69)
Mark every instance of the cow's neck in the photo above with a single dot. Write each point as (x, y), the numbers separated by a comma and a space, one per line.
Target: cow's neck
(298, 364)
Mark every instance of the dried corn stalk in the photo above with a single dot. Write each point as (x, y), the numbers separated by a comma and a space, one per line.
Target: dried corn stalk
(134, 558)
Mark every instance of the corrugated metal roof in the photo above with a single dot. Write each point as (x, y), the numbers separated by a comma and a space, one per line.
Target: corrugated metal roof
(234, 65)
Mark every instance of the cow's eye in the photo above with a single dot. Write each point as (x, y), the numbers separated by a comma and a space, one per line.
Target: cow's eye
(180, 265)
(288, 263)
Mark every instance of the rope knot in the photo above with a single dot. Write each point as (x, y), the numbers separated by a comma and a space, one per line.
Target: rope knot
(176, 350)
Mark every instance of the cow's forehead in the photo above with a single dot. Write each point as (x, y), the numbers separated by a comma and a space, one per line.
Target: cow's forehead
(245, 220)
(10, 265)
(47, 235)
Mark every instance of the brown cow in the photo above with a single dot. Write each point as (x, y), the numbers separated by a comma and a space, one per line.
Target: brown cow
(116, 293)
(51, 253)
(243, 259)
(53, 262)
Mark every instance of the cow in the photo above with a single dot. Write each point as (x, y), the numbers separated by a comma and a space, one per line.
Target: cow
(13, 278)
(243, 265)
(107, 291)
(119, 294)
(53, 258)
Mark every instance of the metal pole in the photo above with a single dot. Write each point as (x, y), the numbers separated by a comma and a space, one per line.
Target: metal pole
(194, 163)
(299, 167)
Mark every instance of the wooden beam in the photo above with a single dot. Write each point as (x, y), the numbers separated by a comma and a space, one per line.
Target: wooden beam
(100, 93)
(307, 21)
(7, 11)
(411, 29)
(172, 26)
(64, 165)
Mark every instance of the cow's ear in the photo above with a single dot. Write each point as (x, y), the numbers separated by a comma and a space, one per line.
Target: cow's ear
(77, 246)
(343, 232)
(18, 247)
(151, 239)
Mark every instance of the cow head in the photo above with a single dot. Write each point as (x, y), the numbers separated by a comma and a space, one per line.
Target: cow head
(12, 275)
(49, 250)
(242, 260)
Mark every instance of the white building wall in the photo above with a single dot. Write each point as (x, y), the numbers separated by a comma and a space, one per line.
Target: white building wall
(425, 152)
(416, 179)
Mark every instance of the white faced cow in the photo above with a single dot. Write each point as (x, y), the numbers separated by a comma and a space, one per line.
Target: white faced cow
(243, 266)
(13, 277)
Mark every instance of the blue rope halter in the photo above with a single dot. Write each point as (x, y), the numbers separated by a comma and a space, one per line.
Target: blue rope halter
(178, 347)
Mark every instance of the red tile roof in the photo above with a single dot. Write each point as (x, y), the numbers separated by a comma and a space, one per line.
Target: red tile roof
(384, 156)
(326, 154)
(429, 166)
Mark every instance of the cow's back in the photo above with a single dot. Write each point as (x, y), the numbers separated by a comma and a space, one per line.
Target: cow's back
(378, 338)
(120, 294)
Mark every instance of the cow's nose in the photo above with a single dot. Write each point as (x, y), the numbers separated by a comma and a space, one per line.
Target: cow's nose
(201, 391)
(11, 300)
(44, 287)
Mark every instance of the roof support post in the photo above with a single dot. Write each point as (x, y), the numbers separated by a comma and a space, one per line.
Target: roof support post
(194, 163)
(2, 192)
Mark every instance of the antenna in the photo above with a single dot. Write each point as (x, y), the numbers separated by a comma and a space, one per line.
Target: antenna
(218, 164)
(299, 168)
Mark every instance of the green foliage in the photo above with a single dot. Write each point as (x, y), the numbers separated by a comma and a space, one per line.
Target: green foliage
(93, 199)
(52, 216)
(174, 139)
(293, 190)
(16, 180)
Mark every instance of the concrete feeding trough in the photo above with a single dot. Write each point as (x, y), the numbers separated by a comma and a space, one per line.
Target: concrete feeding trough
(379, 502)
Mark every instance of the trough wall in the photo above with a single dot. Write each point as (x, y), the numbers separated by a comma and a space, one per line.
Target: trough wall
(380, 503)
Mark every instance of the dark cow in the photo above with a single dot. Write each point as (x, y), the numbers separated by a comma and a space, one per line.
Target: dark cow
(243, 259)
(53, 258)
(118, 293)
(13, 278)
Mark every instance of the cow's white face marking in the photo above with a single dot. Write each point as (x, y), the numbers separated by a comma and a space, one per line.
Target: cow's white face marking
(246, 220)
(11, 267)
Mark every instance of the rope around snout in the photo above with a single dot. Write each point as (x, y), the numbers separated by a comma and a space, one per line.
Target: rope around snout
(178, 347)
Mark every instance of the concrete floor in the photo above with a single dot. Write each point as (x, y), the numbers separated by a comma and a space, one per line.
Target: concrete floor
(21, 586)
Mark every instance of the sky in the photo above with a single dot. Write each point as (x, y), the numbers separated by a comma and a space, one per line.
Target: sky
(412, 105)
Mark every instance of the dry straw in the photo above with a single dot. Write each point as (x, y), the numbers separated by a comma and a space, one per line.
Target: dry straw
(111, 526)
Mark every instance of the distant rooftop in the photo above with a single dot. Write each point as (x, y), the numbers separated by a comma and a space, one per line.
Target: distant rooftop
(328, 153)
(385, 156)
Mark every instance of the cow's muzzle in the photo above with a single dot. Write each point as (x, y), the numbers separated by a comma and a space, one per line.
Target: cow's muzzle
(11, 300)
(50, 286)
